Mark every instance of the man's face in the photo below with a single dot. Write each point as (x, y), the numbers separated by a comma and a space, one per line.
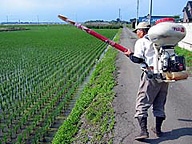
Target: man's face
(140, 33)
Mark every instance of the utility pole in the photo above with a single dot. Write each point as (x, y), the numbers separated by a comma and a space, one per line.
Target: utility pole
(37, 19)
(137, 18)
(150, 11)
(120, 14)
(7, 18)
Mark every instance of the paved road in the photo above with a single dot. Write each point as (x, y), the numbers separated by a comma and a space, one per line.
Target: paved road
(177, 126)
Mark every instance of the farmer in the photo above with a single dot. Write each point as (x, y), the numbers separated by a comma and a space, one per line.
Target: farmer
(151, 92)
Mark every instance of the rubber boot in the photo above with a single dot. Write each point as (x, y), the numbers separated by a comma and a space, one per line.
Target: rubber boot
(143, 124)
(157, 129)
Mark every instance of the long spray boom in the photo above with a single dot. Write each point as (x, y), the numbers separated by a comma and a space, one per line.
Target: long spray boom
(93, 33)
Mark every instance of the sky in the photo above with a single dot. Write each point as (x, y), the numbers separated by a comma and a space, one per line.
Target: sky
(84, 10)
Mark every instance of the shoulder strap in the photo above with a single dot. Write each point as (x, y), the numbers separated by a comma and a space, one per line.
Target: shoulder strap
(147, 37)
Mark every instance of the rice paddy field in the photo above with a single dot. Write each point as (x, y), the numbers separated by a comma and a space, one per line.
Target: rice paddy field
(41, 70)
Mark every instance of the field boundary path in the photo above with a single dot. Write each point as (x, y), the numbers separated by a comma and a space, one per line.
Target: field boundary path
(177, 126)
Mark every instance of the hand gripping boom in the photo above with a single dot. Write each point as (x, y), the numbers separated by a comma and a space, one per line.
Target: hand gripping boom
(93, 33)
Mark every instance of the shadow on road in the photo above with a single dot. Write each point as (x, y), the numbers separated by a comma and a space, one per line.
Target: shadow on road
(171, 135)
(185, 120)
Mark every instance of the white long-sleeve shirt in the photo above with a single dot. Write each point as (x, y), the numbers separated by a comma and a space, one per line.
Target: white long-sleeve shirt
(144, 49)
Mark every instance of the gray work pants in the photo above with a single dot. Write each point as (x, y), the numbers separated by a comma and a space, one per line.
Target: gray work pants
(151, 93)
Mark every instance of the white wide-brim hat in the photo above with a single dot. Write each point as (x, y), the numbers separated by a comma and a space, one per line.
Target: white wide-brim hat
(142, 25)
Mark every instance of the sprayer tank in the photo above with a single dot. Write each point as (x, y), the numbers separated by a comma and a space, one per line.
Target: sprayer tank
(167, 33)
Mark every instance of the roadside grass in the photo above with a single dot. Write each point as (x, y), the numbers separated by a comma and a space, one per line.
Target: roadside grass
(186, 53)
(188, 57)
(92, 119)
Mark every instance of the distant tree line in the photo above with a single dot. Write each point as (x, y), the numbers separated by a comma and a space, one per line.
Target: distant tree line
(112, 26)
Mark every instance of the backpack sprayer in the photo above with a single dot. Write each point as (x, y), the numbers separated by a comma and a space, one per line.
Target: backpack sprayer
(167, 65)
(164, 36)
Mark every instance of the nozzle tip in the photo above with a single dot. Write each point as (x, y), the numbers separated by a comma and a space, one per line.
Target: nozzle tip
(62, 17)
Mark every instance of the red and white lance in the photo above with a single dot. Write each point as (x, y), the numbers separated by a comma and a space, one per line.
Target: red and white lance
(93, 33)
